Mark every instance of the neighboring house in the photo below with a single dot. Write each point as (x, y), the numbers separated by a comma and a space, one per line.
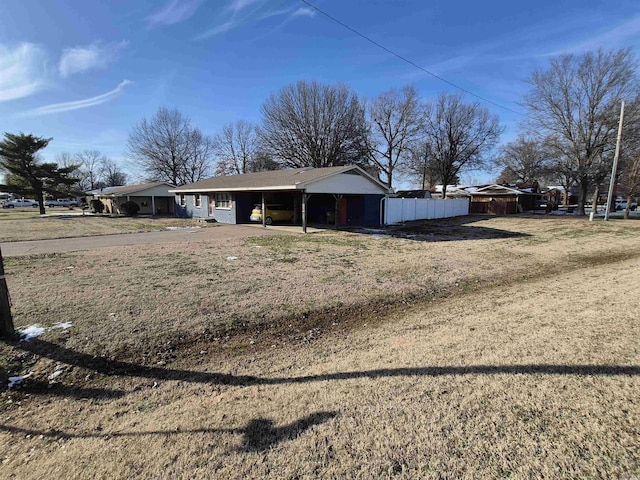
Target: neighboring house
(558, 193)
(314, 195)
(495, 199)
(152, 198)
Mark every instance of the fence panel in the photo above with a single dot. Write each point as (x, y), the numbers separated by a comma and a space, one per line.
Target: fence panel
(398, 210)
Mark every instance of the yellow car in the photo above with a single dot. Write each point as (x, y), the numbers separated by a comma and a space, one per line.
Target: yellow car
(275, 213)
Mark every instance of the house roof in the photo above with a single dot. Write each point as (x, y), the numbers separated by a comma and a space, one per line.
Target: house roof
(128, 189)
(293, 179)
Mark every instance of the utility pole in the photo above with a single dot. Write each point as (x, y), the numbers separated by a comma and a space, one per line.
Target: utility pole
(6, 320)
(612, 183)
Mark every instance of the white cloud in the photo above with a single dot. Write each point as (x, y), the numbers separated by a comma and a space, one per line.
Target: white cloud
(23, 71)
(304, 12)
(175, 11)
(78, 104)
(237, 5)
(238, 13)
(80, 59)
(616, 36)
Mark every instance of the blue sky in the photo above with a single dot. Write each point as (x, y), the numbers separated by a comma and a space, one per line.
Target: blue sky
(83, 71)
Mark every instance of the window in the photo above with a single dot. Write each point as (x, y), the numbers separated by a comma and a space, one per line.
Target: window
(183, 200)
(223, 200)
(197, 200)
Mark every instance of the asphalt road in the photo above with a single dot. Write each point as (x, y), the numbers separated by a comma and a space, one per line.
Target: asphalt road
(58, 245)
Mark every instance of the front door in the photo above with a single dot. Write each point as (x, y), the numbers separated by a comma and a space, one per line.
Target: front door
(212, 204)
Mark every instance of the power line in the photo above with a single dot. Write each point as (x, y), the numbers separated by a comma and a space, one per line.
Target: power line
(404, 59)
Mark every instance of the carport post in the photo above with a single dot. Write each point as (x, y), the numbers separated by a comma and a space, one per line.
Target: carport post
(304, 212)
(264, 212)
(335, 211)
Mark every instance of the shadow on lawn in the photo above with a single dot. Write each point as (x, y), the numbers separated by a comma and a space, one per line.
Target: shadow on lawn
(107, 366)
(442, 230)
(259, 434)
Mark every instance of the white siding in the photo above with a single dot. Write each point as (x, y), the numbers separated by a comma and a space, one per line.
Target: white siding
(346, 183)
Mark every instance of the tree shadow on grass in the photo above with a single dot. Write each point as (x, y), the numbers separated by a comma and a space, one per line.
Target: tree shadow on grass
(110, 367)
(258, 435)
(441, 230)
(39, 387)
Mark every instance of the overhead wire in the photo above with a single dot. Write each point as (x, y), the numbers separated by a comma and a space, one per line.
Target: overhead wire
(406, 60)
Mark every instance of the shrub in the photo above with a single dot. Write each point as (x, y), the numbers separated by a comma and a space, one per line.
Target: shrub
(130, 208)
(97, 206)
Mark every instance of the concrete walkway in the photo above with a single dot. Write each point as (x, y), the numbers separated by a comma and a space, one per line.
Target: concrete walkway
(58, 245)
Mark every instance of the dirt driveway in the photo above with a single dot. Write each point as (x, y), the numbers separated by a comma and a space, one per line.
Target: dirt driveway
(13, 249)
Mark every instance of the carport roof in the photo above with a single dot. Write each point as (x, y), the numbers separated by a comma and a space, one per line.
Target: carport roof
(293, 179)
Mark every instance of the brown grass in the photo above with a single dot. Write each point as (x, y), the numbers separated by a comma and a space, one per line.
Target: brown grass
(19, 226)
(530, 368)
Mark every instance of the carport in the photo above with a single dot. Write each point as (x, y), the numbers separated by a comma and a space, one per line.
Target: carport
(344, 195)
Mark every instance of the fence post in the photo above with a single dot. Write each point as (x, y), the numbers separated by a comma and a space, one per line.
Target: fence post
(6, 320)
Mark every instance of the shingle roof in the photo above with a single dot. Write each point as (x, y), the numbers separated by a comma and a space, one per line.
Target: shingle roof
(129, 189)
(282, 179)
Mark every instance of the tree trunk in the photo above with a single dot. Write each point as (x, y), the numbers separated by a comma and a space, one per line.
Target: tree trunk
(626, 210)
(582, 197)
(40, 198)
(6, 320)
(594, 203)
(444, 190)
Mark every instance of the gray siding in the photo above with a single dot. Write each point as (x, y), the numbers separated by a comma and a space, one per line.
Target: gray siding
(222, 215)
(226, 215)
(190, 210)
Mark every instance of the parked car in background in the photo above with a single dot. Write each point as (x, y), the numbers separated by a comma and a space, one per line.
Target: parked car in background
(25, 202)
(622, 205)
(275, 213)
(60, 203)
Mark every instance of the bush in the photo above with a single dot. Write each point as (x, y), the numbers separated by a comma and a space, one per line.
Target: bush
(97, 206)
(130, 208)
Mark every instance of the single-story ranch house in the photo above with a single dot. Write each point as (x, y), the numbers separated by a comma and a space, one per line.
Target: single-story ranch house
(321, 196)
(152, 198)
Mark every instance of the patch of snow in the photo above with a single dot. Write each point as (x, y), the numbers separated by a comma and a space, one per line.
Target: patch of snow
(380, 235)
(71, 267)
(231, 258)
(55, 374)
(17, 380)
(32, 331)
(183, 228)
(62, 325)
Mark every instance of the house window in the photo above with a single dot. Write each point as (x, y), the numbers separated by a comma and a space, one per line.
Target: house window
(197, 200)
(223, 200)
(183, 200)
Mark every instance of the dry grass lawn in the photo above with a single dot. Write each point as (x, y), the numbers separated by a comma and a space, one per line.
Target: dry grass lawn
(482, 349)
(19, 225)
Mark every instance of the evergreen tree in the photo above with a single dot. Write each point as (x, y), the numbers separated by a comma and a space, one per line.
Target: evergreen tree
(26, 174)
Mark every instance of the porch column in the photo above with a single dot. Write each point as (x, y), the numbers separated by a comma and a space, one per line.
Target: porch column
(264, 212)
(153, 205)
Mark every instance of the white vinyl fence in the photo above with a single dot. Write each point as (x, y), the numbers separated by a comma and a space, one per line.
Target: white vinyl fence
(396, 210)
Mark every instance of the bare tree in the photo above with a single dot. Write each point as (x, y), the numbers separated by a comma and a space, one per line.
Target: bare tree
(112, 175)
(524, 160)
(395, 122)
(169, 149)
(459, 135)
(574, 104)
(236, 146)
(91, 168)
(422, 166)
(630, 156)
(314, 124)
